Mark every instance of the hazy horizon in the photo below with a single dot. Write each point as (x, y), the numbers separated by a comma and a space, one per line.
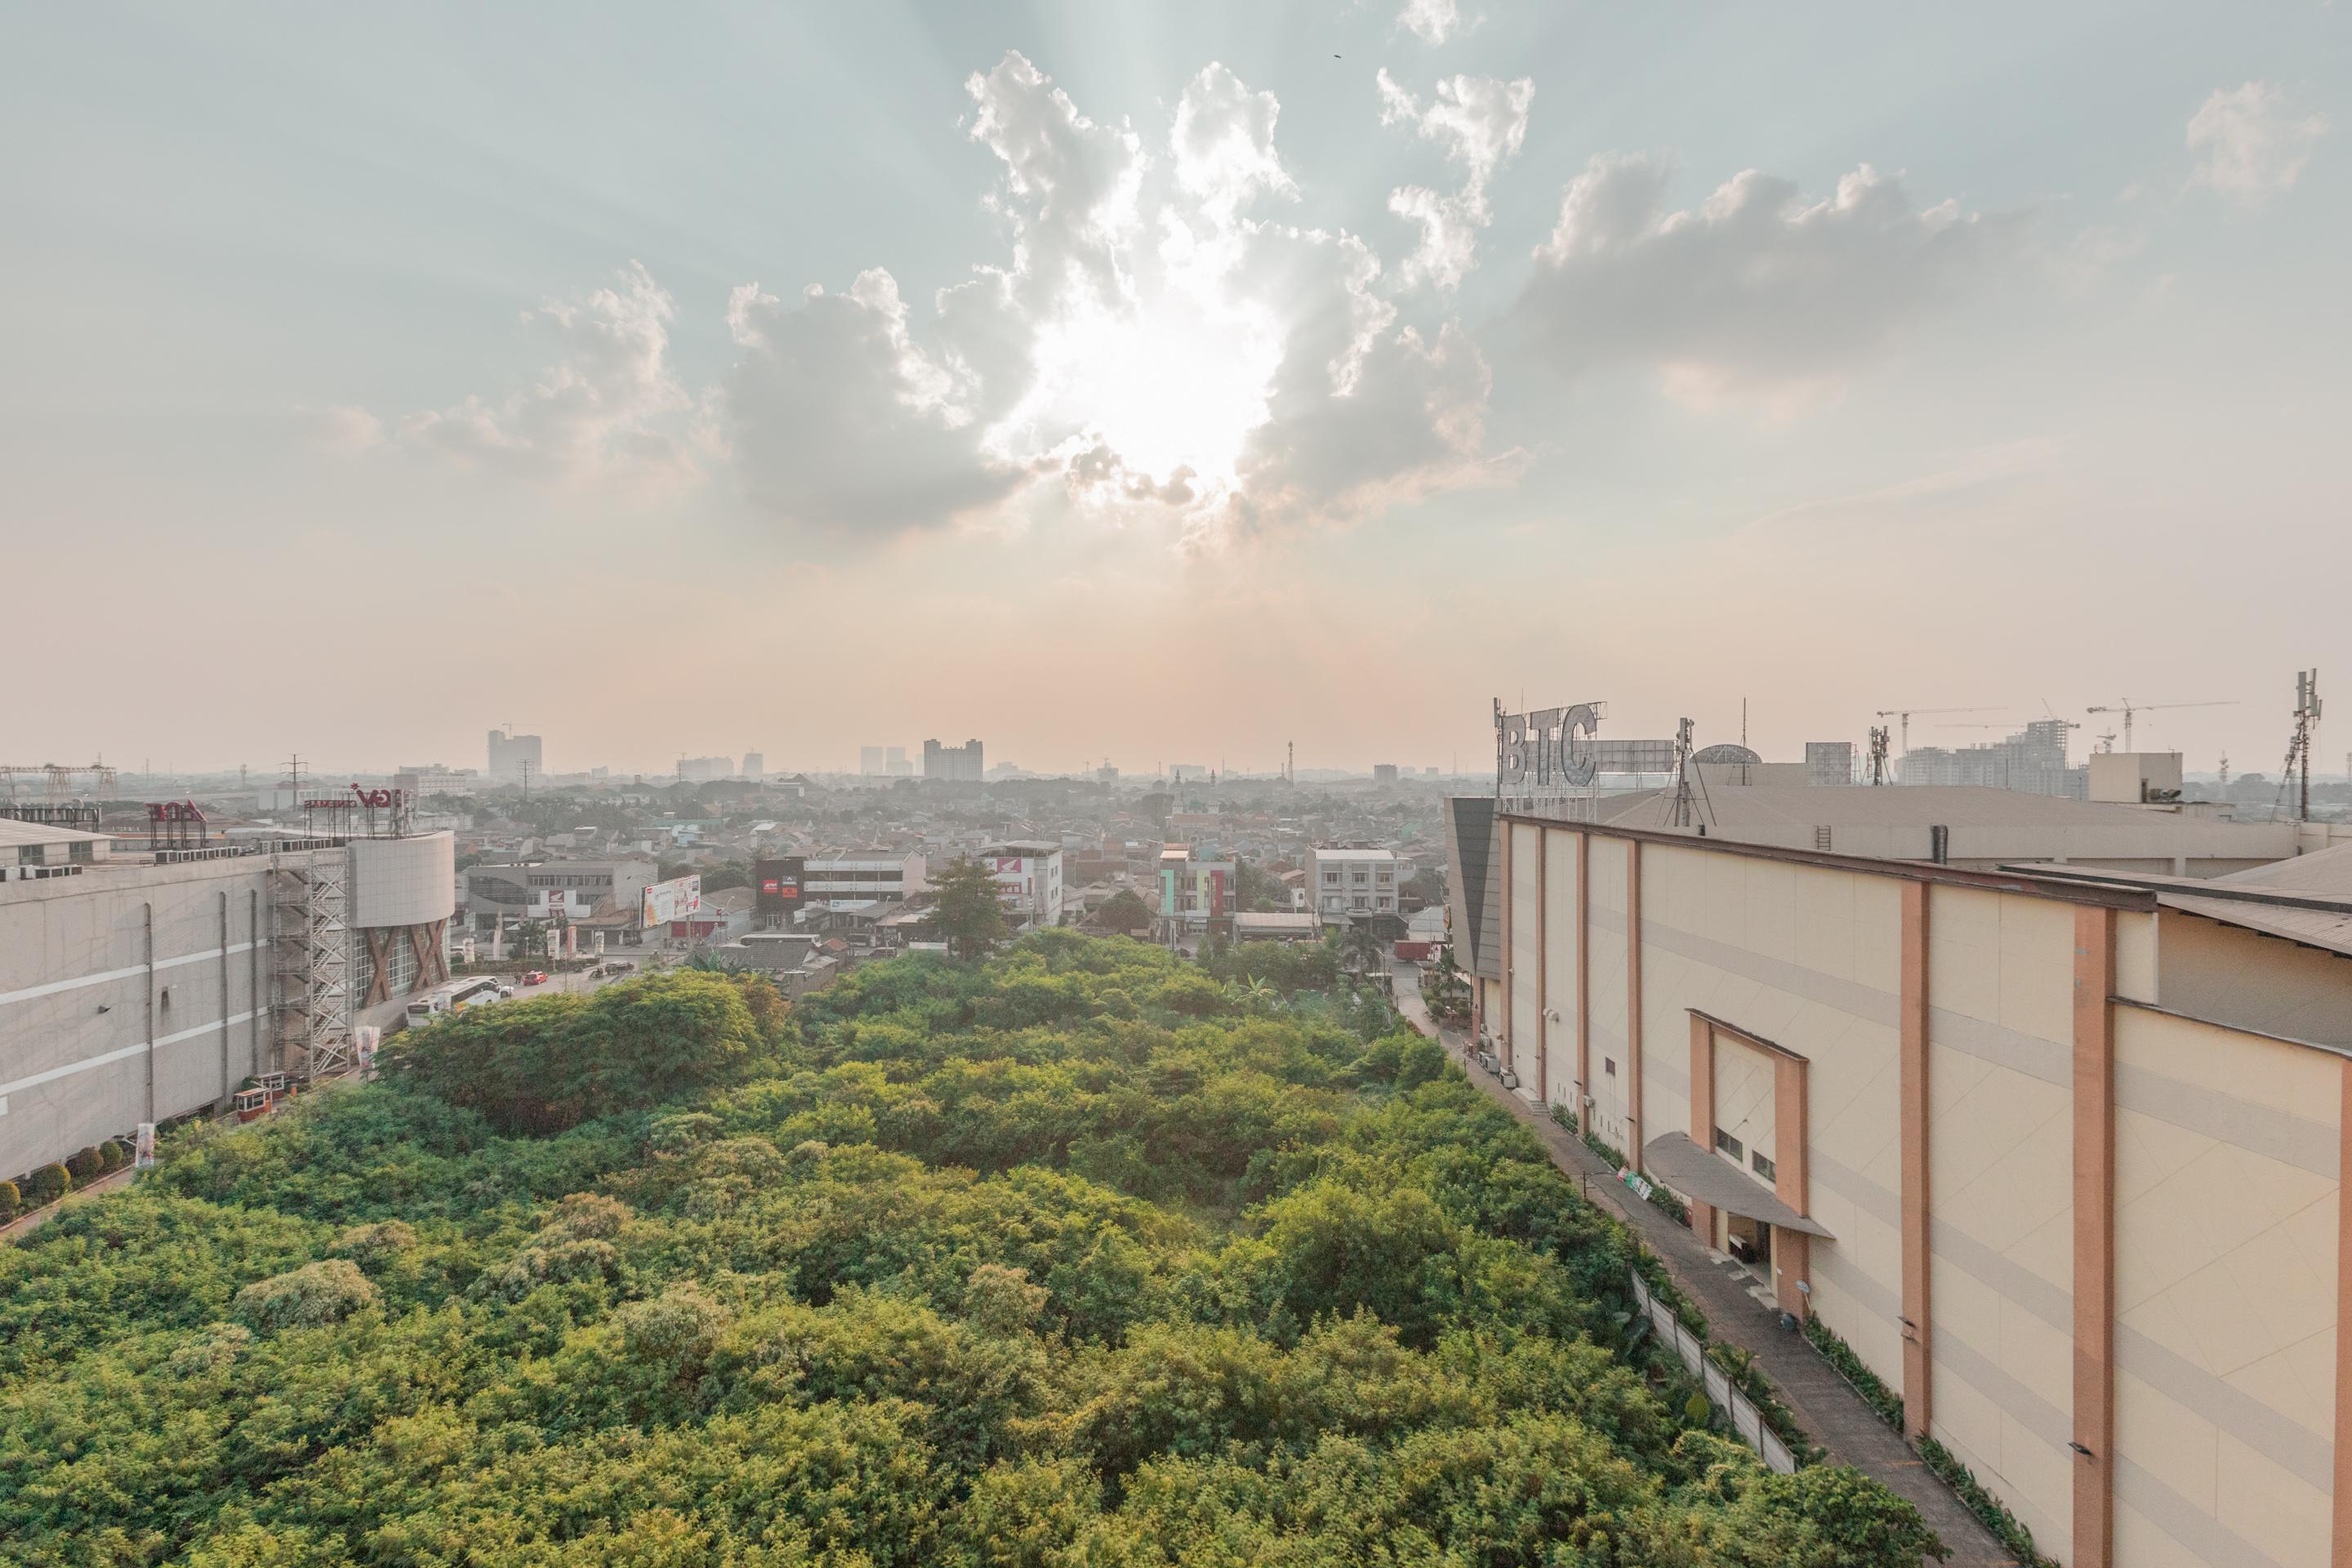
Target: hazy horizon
(1107, 383)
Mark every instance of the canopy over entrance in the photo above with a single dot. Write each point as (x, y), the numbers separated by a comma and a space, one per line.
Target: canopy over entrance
(1702, 1178)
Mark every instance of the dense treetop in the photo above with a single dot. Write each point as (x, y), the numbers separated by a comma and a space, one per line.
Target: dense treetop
(1088, 1255)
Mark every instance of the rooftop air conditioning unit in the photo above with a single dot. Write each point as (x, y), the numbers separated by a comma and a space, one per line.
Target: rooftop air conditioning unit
(1510, 1078)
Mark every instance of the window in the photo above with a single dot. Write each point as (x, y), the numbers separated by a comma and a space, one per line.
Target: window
(1764, 1167)
(78, 852)
(1330, 879)
(33, 855)
(1726, 1143)
(1608, 1066)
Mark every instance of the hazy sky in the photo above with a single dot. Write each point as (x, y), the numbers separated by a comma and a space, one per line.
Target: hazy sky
(1164, 383)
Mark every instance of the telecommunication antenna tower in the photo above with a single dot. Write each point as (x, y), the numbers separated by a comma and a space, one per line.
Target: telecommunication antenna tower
(1682, 807)
(1878, 738)
(2298, 748)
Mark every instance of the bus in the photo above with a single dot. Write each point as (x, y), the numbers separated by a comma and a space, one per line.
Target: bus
(457, 996)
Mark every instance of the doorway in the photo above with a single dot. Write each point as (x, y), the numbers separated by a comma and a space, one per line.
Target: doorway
(1749, 1243)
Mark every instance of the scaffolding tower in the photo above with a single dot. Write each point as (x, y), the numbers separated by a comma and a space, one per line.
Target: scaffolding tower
(309, 898)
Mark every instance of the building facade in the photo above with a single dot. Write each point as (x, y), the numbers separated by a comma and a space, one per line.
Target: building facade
(554, 889)
(1029, 880)
(1350, 884)
(2058, 1157)
(1196, 895)
(514, 757)
(965, 764)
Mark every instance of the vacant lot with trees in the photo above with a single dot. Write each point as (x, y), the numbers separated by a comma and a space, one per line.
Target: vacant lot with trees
(1082, 1256)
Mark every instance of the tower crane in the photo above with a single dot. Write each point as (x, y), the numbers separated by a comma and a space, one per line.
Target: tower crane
(2126, 707)
(1903, 715)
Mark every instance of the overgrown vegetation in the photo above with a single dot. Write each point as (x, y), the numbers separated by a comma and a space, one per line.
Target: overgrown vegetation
(1990, 1512)
(1071, 1258)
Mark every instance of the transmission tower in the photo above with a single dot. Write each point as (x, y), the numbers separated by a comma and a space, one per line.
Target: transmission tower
(2298, 748)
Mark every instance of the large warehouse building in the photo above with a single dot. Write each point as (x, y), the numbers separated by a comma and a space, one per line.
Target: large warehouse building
(2059, 1150)
(140, 987)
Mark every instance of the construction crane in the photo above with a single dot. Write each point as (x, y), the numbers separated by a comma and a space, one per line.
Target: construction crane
(57, 780)
(2126, 707)
(1904, 716)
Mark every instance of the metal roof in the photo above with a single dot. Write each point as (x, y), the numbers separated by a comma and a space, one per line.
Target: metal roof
(1702, 1178)
(2321, 872)
(1731, 806)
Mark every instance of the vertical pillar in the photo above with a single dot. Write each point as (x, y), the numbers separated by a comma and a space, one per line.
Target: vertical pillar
(2340, 1554)
(1510, 984)
(1543, 966)
(1792, 1251)
(253, 978)
(1635, 1129)
(226, 1088)
(1702, 1115)
(1919, 1312)
(2094, 1237)
(1584, 975)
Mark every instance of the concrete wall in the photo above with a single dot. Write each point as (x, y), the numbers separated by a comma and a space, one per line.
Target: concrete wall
(2255, 982)
(71, 1074)
(2227, 1227)
(2161, 1251)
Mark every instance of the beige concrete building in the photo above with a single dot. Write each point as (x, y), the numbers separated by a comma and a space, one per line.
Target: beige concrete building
(2061, 1154)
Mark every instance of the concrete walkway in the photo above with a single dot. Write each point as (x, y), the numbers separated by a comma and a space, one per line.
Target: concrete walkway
(25, 1224)
(1824, 1405)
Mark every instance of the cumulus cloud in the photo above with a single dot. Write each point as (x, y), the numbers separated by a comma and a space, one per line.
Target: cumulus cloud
(1431, 21)
(1154, 344)
(1479, 123)
(1157, 344)
(834, 419)
(2249, 144)
(611, 403)
(1757, 291)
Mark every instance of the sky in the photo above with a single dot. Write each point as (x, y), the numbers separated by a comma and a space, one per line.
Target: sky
(1161, 384)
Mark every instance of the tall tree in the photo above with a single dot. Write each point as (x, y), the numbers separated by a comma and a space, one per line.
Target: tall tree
(969, 910)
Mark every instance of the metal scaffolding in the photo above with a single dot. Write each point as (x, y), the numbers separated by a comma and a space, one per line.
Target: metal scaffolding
(310, 897)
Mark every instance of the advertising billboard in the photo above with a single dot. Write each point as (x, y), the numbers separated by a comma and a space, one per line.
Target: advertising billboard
(679, 898)
(776, 888)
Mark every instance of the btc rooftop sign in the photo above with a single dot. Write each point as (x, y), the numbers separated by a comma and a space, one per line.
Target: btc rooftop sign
(1548, 753)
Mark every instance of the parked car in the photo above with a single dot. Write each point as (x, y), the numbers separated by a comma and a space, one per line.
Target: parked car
(534, 977)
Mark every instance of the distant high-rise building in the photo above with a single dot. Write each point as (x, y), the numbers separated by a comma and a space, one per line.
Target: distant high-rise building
(702, 770)
(869, 761)
(511, 756)
(2031, 762)
(1384, 773)
(963, 762)
(755, 766)
(896, 765)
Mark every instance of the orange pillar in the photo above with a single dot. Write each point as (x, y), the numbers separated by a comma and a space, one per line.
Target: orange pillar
(1636, 1131)
(1584, 975)
(1918, 1313)
(1792, 1253)
(2094, 1237)
(1702, 1102)
(1543, 966)
(2340, 1556)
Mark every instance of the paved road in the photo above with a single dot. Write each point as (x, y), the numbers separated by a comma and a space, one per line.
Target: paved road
(1825, 1405)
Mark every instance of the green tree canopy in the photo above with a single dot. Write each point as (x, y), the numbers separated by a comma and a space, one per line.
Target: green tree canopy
(971, 907)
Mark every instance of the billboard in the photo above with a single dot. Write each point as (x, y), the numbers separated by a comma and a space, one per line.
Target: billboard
(776, 888)
(679, 898)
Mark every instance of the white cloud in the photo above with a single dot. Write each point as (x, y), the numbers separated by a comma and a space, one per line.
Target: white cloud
(835, 419)
(1431, 21)
(609, 405)
(2249, 144)
(1755, 293)
(342, 428)
(1479, 123)
(1153, 348)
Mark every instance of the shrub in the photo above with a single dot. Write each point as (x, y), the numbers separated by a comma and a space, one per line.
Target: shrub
(1884, 1402)
(11, 1200)
(112, 1155)
(2006, 1527)
(310, 1297)
(48, 1183)
(85, 1163)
